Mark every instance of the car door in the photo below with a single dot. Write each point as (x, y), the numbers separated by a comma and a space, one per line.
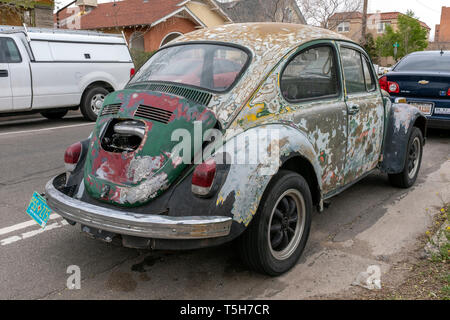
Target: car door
(5, 81)
(19, 74)
(365, 113)
(311, 84)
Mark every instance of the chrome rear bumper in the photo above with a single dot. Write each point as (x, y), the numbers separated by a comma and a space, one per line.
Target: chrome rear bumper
(134, 224)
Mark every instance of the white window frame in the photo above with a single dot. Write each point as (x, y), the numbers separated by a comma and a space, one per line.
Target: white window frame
(381, 27)
(343, 27)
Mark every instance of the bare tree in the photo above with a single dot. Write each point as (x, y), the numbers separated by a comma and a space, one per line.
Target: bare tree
(319, 12)
(277, 10)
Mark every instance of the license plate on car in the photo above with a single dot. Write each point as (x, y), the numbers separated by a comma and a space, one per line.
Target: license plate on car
(426, 108)
(39, 210)
(442, 111)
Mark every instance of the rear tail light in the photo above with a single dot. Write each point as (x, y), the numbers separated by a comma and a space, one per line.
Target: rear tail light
(132, 72)
(389, 86)
(203, 177)
(393, 87)
(384, 83)
(72, 156)
(448, 92)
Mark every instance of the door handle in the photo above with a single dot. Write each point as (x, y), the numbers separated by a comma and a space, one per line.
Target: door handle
(3, 73)
(353, 109)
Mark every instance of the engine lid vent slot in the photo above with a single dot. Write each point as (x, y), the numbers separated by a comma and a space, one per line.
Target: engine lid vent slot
(198, 96)
(152, 113)
(111, 109)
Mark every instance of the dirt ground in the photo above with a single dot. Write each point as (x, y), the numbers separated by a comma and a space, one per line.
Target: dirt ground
(420, 276)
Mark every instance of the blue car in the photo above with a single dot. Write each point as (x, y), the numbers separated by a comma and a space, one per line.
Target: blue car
(423, 79)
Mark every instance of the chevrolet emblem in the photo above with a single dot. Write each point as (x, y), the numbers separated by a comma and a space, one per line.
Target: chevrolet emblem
(424, 82)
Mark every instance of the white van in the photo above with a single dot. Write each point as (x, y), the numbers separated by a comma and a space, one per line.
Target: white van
(52, 71)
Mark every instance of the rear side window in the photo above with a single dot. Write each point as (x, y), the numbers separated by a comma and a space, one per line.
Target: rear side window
(310, 75)
(9, 53)
(353, 71)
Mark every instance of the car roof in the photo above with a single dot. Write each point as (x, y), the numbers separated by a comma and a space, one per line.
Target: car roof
(260, 37)
(431, 53)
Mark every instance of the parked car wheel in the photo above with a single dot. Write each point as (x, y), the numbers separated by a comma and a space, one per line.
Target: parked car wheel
(279, 231)
(92, 102)
(413, 160)
(54, 114)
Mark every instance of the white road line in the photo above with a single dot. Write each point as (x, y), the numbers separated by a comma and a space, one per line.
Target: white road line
(25, 224)
(47, 129)
(33, 233)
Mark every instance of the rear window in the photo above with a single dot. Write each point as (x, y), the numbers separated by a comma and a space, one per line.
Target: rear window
(207, 66)
(434, 63)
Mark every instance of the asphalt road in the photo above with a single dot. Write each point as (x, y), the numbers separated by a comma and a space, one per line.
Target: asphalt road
(371, 223)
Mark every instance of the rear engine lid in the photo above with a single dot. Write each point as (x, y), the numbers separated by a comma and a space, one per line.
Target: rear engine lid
(131, 159)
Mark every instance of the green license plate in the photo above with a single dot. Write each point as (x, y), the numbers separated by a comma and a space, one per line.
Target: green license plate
(39, 210)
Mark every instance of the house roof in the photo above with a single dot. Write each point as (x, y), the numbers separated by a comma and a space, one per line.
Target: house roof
(346, 15)
(255, 10)
(127, 13)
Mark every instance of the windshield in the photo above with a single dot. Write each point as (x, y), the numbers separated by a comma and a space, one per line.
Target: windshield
(208, 66)
(434, 63)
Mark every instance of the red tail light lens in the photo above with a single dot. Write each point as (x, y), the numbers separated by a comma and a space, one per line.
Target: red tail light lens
(203, 177)
(132, 72)
(448, 92)
(72, 156)
(384, 83)
(393, 87)
(389, 86)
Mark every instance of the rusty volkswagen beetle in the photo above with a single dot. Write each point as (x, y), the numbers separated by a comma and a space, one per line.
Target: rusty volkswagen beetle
(236, 132)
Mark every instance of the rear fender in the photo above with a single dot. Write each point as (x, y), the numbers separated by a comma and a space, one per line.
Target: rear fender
(75, 179)
(401, 120)
(246, 182)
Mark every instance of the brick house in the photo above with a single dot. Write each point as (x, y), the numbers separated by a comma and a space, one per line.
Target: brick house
(442, 33)
(34, 13)
(147, 24)
(350, 23)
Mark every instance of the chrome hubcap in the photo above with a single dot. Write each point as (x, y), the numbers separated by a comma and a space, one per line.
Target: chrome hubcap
(414, 158)
(97, 102)
(286, 224)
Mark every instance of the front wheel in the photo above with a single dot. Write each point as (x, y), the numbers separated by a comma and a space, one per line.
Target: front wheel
(408, 176)
(278, 233)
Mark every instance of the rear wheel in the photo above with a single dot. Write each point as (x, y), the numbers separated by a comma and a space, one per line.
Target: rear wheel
(278, 234)
(92, 102)
(408, 176)
(54, 114)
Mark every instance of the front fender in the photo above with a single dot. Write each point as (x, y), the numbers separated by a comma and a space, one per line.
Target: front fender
(401, 121)
(247, 180)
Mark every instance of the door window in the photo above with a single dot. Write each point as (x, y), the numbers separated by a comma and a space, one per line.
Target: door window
(9, 53)
(353, 71)
(310, 75)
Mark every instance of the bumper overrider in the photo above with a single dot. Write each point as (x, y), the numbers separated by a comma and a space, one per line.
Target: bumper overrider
(134, 224)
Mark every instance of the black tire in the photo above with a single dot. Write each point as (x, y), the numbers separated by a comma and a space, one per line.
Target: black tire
(256, 244)
(413, 160)
(86, 108)
(54, 114)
